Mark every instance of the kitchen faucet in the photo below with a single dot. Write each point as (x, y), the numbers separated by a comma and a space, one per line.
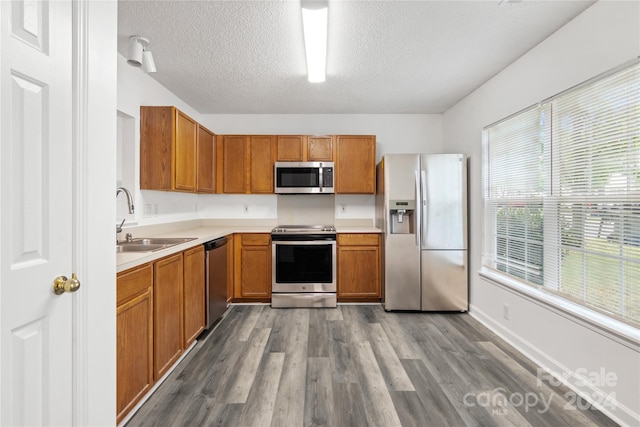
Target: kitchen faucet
(129, 204)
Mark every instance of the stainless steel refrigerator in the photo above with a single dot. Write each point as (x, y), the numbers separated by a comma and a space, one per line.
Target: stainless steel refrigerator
(421, 205)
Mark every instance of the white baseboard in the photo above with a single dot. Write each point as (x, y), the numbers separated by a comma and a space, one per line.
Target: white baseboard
(622, 415)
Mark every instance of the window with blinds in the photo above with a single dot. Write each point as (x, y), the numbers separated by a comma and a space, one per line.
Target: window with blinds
(562, 194)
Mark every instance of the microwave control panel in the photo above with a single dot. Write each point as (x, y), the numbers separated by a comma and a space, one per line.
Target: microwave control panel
(327, 177)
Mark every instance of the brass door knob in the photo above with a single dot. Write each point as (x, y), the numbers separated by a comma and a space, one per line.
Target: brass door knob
(61, 284)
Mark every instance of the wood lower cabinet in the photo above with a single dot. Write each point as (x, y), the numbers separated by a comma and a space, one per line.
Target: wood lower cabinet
(134, 329)
(252, 266)
(355, 164)
(194, 294)
(167, 314)
(230, 268)
(160, 312)
(358, 267)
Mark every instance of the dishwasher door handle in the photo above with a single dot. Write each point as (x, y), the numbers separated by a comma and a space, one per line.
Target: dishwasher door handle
(214, 244)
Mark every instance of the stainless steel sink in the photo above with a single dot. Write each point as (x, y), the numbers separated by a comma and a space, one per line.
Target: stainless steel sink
(150, 244)
(158, 241)
(133, 247)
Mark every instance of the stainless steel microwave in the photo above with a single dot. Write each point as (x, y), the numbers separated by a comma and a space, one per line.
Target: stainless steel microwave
(303, 177)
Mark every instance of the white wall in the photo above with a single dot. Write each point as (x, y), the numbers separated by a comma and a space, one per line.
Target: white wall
(395, 133)
(135, 88)
(604, 36)
(94, 257)
(398, 133)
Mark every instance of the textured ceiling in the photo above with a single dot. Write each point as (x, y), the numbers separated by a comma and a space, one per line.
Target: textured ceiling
(383, 56)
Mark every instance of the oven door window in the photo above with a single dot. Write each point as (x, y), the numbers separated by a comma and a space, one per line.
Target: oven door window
(298, 177)
(304, 263)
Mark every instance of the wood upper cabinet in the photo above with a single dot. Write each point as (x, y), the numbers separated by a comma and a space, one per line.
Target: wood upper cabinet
(320, 149)
(194, 294)
(291, 148)
(232, 164)
(358, 267)
(355, 164)
(185, 152)
(245, 163)
(206, 171)
(252, 266)
(134, 329)
(302, 148)
(167, 149)
(261, 150)
(167, 313)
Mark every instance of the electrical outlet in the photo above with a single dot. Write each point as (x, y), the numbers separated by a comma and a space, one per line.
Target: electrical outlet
(505, 311)
(343, 208)
(246, 208)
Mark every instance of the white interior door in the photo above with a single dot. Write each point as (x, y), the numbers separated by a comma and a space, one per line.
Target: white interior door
(36, 374)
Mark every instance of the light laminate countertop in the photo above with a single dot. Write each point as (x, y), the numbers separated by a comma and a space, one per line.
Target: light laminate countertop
(202, 234)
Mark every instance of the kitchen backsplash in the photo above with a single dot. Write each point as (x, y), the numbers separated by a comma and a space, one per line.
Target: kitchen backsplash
(157, 207)
(294, 209)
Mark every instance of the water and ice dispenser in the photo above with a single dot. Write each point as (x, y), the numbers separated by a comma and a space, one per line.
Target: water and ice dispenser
(402, 216)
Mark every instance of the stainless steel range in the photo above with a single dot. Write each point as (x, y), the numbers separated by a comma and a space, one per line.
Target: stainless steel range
(303, 266)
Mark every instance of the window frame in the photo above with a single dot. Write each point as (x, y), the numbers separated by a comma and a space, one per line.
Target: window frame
(547, 291)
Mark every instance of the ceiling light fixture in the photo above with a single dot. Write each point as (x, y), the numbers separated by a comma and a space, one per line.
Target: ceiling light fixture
(139, 55)
(314, 24)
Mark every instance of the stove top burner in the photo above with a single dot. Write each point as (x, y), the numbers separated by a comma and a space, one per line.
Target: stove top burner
(304, 229)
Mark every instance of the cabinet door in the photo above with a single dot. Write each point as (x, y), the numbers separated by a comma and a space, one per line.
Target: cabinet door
(167, 313)
(206, 180)
(230, 268)
(185, 153)
(134, 353)
(290, 148)
(319, 149)
(262, 156)
(252, 270)
(232, 169)
(156, 147)
(134, 329)
(359, 267)
(355, 164)
(194, 294)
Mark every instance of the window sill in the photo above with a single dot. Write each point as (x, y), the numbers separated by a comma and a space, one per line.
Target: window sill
(600, 323)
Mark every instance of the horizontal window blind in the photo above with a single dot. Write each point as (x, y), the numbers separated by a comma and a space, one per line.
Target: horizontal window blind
(596, 149)
(562, 195)
(513, 194)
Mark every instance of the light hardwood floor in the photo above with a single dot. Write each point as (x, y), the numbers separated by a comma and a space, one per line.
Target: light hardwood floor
(353, 366)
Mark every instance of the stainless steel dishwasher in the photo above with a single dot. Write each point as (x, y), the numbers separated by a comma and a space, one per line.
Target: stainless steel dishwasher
(216, 279)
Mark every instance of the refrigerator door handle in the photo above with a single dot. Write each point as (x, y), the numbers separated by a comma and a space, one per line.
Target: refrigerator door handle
(418, 214)
(423, 200)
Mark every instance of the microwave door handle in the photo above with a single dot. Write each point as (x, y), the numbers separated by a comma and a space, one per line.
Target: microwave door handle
(320, 178)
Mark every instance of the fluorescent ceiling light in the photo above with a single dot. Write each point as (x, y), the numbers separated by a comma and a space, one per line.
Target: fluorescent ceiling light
(314, 23)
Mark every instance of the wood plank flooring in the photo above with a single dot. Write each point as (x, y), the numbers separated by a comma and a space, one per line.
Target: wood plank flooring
(353, 366)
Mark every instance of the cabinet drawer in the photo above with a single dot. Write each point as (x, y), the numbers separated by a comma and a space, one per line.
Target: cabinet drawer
(358, 239)
(133, 282)
(257, 239)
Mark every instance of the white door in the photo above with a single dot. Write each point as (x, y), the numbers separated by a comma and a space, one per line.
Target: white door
(36, 212)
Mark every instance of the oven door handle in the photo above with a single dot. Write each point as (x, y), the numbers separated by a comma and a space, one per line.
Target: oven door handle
(303, 242)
